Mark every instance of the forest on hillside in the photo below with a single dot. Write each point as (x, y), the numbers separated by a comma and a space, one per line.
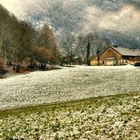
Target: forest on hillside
(23, 45)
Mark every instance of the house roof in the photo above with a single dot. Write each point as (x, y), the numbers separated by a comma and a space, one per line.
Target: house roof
(137, 51)
(120, 50)
(127, 51)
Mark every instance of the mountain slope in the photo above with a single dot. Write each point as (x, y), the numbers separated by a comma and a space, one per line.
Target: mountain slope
(108, 17)
(85, 16)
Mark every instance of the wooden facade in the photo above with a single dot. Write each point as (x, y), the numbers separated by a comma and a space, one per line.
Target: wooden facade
(115, 56)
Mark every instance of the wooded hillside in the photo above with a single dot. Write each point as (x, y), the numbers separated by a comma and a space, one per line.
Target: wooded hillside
(21, 44)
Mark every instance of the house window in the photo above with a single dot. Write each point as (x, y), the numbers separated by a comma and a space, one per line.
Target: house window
(125, 57)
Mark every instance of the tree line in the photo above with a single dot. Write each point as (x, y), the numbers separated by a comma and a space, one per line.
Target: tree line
(22, 44)
(79, 48)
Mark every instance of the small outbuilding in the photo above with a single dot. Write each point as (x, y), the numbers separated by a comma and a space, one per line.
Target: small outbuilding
(115, 55)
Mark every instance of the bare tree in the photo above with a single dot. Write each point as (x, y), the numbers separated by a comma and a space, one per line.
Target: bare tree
(69, 45)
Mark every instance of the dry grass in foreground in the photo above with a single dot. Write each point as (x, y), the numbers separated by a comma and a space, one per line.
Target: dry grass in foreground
(110, 117)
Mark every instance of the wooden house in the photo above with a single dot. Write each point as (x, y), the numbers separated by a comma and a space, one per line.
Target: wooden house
(114, 55)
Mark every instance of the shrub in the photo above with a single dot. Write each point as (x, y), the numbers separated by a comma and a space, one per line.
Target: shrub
(137, 64)
(2, 71)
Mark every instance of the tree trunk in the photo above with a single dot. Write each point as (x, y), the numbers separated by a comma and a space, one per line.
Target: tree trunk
(98, 59)
(88, 54)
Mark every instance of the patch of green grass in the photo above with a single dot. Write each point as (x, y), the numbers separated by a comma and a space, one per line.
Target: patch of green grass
(115, 117)
(96, 102)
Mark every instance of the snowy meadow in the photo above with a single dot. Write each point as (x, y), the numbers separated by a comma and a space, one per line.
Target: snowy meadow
(87, 103)
(67, 84)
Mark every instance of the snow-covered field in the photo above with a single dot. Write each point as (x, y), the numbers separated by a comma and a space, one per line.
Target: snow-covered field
(107, 118)
(67, 84)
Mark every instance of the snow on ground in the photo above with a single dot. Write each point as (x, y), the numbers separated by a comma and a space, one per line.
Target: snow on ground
(67, 84)
(108, 118)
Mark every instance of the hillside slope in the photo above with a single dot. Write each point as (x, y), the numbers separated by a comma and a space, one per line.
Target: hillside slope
(67, 84)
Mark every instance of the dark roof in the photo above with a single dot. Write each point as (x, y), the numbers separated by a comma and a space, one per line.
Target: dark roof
(127, 51)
